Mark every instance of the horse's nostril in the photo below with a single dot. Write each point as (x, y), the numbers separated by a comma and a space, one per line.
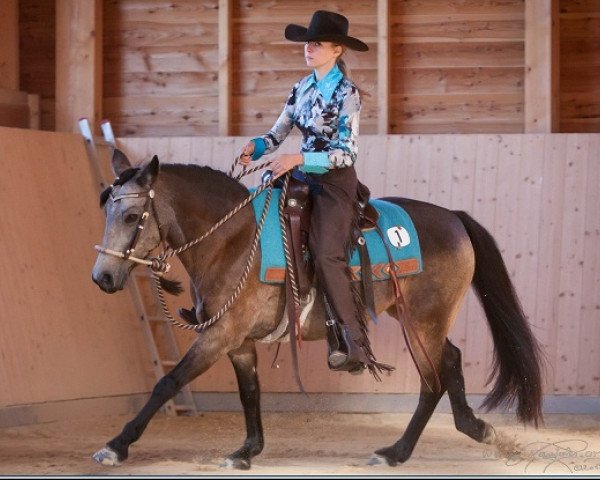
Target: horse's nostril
(106, 281)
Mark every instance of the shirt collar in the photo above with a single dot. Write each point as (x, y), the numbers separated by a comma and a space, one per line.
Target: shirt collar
(328, 83)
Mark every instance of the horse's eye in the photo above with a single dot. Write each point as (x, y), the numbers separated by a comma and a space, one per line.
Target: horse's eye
(131, 218)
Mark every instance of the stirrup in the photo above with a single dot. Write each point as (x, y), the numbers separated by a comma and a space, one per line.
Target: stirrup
(340, 361)
(352, 360)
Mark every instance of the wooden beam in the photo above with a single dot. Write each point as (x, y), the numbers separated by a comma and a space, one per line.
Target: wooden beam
(33, 101)
(383, 67)
(78, 63)
(9, 44)
(542, 67)
(225, 66)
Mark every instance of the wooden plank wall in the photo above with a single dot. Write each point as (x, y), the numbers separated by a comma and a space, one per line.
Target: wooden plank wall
(62, 338)
(580, 65)
(455, 67)
(160, 64)
(9, 40)
(14, 108)
(37, 55)
(537, 194)
(266, 65)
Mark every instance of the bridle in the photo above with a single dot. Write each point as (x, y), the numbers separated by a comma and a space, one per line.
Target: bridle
(158, 265)
(127, 254)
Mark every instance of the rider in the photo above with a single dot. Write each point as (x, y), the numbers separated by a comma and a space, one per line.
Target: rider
(325, 106)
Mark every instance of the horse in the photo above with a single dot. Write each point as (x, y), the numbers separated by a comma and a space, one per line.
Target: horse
(457, 252)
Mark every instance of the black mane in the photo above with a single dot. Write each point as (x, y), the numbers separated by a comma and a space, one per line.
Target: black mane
(200, 172)
(196, 174)
(205, 178)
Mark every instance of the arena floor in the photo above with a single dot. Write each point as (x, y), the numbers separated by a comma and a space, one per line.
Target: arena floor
(304, 443)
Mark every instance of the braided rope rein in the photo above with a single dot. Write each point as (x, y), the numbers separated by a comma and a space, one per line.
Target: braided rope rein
(159, 264)
(286, 247)
(169, 252)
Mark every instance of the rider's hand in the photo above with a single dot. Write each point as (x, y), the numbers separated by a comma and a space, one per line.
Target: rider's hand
(285, 162)
(246, 153)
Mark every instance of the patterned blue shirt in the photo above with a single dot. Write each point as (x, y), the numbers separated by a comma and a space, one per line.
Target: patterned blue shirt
(327, 114)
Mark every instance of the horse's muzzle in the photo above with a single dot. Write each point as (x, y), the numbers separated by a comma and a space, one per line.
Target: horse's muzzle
(106, 282)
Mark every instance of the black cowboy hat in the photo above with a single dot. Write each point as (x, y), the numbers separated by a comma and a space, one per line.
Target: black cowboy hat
(328, 27)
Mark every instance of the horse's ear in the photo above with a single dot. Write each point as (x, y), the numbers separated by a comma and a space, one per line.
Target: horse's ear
(120, 162)
(148, 175)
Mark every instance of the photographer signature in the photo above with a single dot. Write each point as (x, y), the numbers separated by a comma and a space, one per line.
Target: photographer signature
(573, 455)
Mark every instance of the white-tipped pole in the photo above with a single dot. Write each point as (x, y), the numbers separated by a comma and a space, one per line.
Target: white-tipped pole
(107, 132)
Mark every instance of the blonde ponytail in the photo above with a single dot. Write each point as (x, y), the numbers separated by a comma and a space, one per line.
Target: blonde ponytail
(341, 63)
(342, 66)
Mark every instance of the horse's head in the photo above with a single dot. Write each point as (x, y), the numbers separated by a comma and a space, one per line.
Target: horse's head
(131, 228)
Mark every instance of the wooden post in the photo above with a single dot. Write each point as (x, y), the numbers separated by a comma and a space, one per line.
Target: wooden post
(225, 66)
(78, 63)
(542, 74)
(383, 66)
(9, 44)
(33, 101)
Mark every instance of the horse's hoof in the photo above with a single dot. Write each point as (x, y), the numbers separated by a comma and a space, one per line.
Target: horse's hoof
(236, 463)
(388, 454)
(106, 456)
(376, 460)
(489, 435)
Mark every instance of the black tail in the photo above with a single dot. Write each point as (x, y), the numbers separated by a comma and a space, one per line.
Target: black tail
(517, 355)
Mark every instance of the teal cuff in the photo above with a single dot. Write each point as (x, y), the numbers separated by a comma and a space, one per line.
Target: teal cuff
(259, 148)
(315, 162)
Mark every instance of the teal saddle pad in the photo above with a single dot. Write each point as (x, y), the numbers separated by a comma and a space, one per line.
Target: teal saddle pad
(395, 223)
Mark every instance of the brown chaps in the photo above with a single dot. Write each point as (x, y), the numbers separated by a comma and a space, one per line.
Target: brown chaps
(333, 220)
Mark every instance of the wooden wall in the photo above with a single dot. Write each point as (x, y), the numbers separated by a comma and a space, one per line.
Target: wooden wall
(538, 196)
(455, 67)
(580, 65)
(266, 65)
(37, 30)
(160, 67)
(14, 108)
(62, 338)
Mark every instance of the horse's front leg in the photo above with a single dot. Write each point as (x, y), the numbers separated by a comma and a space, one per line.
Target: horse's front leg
(200, 357)
(244, 364)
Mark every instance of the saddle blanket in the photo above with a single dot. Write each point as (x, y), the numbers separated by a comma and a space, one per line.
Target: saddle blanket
(395, 223)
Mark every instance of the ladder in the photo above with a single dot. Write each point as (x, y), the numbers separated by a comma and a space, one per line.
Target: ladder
(158, 331)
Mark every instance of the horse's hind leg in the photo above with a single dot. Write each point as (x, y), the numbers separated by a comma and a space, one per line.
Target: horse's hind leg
(244, 364)
(464, 419)
(194, 362)
(452, 380)
(401, 451)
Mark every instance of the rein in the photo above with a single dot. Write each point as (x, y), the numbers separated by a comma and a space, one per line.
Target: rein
(159, 266)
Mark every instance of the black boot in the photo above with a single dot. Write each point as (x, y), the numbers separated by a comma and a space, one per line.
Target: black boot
(349, 356)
